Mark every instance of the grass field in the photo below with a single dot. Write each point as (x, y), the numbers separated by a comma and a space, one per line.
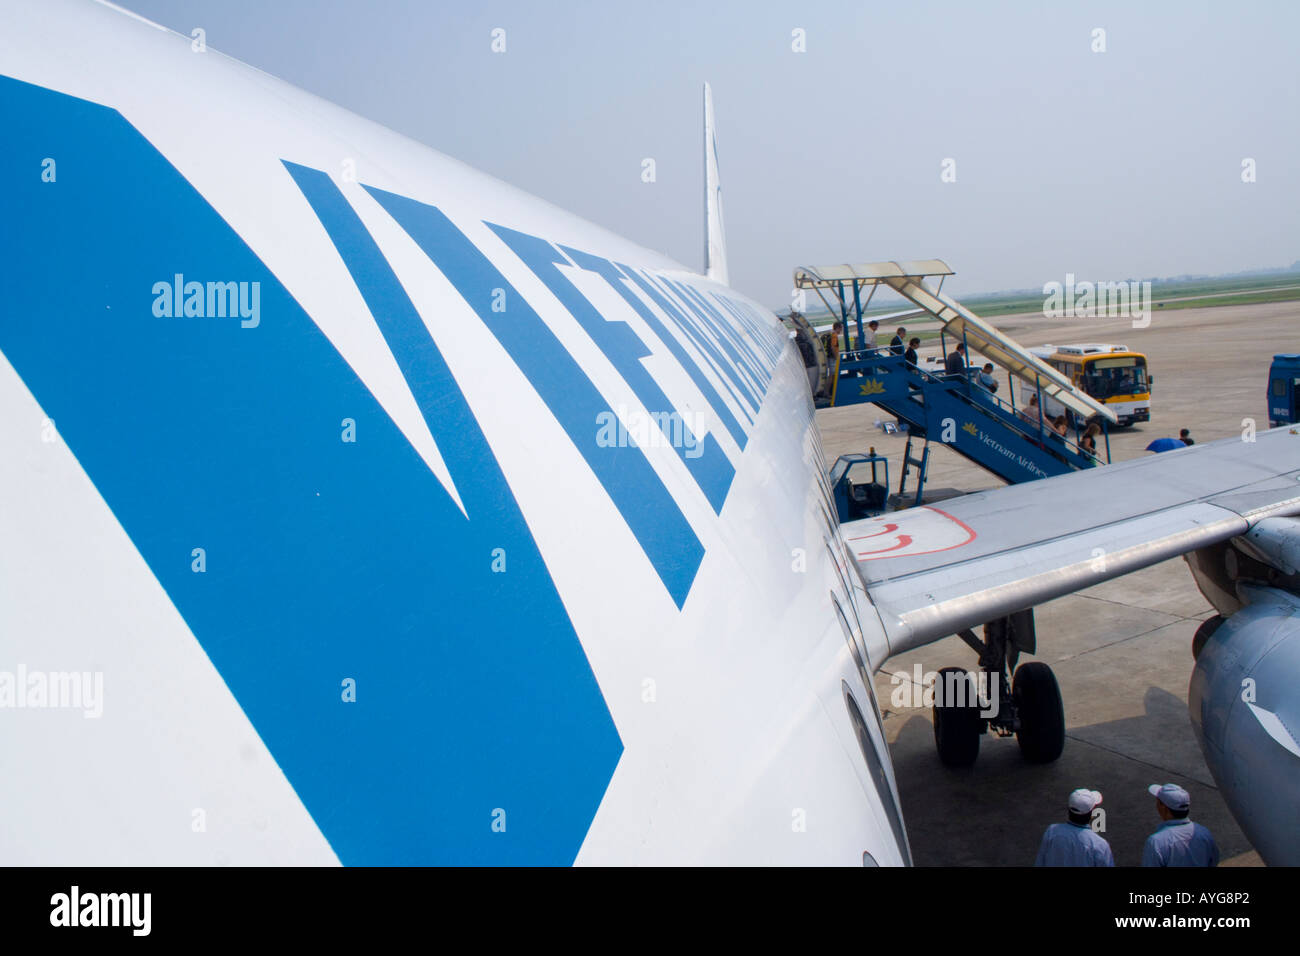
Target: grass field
(1192, 293)
(1231, 298)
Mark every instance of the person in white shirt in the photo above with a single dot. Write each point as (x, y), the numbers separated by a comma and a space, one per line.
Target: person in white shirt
(869, 337)
(1178, 841)
(1075, 843)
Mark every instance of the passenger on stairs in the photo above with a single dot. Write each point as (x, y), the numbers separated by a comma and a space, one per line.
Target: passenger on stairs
(955, 363)
(910, 355)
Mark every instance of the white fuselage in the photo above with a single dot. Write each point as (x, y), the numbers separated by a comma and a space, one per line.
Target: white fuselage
(198, 525)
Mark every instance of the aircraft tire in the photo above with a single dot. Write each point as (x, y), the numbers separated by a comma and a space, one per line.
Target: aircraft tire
(957, 726)
(1038, 703)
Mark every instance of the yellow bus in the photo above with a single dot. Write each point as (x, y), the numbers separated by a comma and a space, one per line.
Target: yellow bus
(1112, 375)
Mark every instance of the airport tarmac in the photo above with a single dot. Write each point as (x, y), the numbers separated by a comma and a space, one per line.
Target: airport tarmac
(1121, 651)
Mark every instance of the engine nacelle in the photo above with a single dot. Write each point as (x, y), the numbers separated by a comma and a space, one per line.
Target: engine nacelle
(1245, 709)
(1268, 554)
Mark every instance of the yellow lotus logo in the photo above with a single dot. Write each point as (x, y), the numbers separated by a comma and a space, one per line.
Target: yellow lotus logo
(873, 386)
(970, 429)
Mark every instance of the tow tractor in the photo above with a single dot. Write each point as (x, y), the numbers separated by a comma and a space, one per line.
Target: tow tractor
(857, 495)
(1284, 390)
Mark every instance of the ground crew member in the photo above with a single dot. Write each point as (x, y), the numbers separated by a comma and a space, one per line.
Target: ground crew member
(1178, 841)
(1074, 843)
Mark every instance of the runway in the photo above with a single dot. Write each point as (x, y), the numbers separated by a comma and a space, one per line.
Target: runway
(1121, 651)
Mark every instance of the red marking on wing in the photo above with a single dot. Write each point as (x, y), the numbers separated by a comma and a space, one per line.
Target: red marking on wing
(969, 530)
(888, 529)
(925, 535)
(903, 541)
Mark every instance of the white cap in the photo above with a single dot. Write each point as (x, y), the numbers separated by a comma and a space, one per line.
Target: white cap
(1171, 795)
(1083, 801)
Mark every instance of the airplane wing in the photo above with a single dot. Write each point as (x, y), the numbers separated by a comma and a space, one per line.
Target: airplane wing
(884, 319)
(933, 571)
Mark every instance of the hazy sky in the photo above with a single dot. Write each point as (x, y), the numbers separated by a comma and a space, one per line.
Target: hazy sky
(1110, 165)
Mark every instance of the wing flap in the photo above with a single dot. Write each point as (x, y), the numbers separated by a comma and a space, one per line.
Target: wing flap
(931, 605)
(931, 572)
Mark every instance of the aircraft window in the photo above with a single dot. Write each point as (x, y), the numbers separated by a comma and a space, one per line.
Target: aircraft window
(876, 762)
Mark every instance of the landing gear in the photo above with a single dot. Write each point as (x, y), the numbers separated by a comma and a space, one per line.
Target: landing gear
(957, 722)
(1039, 712)
(1028, 706)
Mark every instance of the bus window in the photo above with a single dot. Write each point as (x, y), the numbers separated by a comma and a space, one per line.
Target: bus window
(1116, 376)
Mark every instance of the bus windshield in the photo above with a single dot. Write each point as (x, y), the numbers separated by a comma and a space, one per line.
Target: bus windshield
(1116, 376)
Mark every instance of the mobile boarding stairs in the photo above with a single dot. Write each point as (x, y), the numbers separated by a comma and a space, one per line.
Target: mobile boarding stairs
(1012, 444)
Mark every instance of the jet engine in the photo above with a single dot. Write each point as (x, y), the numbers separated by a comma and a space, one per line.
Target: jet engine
(1243, 698)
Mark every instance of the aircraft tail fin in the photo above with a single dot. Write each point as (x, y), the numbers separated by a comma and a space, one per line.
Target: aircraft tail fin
(715, 238)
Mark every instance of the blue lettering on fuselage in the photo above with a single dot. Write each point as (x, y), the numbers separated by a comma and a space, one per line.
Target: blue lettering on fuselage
(742, 362)
(765, 342)
(651, 513)
(739, 351)
(326, 560)
(617, 279)
(620, 344)
(725, 371)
